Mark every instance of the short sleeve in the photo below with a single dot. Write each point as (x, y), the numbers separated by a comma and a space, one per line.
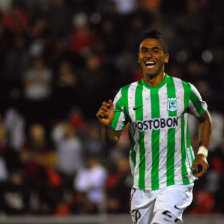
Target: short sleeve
(119, 122)
(197, 105)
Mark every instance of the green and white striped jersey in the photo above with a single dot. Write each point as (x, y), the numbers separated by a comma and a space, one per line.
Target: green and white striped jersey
(161, 153)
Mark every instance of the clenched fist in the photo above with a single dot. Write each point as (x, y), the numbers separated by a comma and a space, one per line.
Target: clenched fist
(106, 113)
(200, 160)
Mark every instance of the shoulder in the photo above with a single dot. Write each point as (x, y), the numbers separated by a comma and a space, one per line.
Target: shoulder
(182, 84)
(179, 82)
(128, 89)
(130, 85)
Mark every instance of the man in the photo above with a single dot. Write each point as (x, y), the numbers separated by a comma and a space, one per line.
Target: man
(161, 157)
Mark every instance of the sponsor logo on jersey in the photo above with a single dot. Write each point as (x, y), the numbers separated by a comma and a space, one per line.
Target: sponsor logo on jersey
(172, 104)
(158, 123)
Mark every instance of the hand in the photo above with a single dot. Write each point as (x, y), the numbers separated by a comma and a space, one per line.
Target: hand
(106, 113)
(200, 161)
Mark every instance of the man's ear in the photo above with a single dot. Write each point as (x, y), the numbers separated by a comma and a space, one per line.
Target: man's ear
(166, 58)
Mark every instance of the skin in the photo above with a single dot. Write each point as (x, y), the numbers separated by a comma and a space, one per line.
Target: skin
(152, 50)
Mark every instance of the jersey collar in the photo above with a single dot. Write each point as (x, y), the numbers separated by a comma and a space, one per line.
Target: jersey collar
(156, 87)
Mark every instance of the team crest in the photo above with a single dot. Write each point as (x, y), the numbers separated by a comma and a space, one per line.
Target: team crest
(172, 104)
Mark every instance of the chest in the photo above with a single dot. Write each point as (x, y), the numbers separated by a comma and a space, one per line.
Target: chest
(152, 105)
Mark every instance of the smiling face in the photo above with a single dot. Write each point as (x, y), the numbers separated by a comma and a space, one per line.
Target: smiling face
(152, 57)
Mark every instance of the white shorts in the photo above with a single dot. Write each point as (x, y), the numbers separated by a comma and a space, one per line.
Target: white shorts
(164, 204)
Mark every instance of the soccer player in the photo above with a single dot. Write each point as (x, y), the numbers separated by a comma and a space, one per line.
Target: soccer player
(162, 161)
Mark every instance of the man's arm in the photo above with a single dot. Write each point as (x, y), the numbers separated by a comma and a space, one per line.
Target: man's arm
(105, 115)
(204, 129)
(110, 137)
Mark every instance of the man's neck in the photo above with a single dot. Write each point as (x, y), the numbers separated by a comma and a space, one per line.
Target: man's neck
(154, 81)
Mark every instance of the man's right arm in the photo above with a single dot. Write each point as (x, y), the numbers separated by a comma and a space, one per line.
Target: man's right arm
(105, 115)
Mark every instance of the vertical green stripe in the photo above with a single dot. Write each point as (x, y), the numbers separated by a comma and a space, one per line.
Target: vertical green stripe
(184, 172)
(155, 113)
(139, 116)
(122, 104)
(124, 93)
(171, 93)
(188, 137)
(117, 113)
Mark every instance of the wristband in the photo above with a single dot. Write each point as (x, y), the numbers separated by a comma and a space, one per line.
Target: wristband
(203, 150)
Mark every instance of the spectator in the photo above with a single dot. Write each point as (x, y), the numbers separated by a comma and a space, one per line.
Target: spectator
(92, 142)
(42, 182)
(69, 151)
(91, 181)
(82, 36)
(11, 183)
(16, 19)
(37, 84)
(15, 124)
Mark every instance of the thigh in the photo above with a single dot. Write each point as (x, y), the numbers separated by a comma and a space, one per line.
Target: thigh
(174, 200)
(142, 205)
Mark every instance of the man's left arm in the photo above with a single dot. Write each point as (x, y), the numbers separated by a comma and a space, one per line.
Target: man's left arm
(205, 129)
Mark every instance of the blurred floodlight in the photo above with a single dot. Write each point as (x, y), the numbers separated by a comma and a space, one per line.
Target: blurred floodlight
(80, 20)
(207, 56)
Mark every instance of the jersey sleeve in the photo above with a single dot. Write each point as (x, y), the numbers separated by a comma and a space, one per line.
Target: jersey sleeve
(119, 122)
(197, 105)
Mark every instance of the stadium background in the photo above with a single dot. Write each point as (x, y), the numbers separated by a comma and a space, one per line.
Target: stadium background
(59, 59)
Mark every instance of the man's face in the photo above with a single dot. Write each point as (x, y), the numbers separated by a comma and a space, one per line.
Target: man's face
(152, 57)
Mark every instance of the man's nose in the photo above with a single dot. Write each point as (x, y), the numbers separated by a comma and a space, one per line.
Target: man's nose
(149, 54)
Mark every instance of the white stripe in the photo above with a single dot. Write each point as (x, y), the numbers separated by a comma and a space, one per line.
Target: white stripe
(164, 113)
(203, 103)
(148, 137)
(180, 102)
(188, 161)
(192, 177)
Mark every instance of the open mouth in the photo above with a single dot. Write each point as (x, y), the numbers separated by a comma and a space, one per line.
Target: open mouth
(150, 64)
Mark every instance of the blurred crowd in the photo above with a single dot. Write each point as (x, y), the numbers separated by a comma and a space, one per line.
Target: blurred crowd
(59, 59)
